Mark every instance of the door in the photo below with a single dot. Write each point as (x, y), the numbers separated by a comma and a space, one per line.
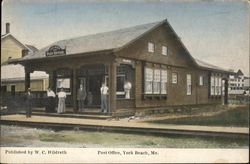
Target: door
(93, 91)
(13, 90)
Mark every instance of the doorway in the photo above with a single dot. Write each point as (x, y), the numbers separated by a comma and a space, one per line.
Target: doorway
(93, 91)
(13, 90)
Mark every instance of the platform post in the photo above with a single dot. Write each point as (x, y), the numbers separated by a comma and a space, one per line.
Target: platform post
(112, 87)
(74, 90)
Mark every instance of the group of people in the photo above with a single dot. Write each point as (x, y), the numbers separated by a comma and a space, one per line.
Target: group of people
(50, 104)
(81, 96)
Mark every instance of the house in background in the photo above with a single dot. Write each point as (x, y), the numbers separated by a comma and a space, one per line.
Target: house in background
(13, 76)
(238, 83)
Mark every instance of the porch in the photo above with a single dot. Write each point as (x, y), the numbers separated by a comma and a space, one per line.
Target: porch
(90, 72)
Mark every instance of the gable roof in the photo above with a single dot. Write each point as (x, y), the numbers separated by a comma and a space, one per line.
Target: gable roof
(114, 40)
(239, 73)
(33, 48)
(97, 42)
(28, 47)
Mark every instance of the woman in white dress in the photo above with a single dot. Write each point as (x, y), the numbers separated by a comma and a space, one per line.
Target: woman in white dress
(61, 103)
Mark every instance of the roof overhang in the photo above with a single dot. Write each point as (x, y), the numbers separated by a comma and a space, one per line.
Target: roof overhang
(217, 70)
(56, 57)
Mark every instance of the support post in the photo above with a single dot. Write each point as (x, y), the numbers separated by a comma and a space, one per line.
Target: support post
(74, 91)
(52, 79)
(27, 80)
(226, 92)
(112, 87)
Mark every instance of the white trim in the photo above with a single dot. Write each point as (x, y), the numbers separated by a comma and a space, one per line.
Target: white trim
(164, 50)
(151, 47)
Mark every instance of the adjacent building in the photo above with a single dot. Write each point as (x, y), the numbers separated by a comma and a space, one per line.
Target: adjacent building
(13, 76)
(151, 57)
(238, 83)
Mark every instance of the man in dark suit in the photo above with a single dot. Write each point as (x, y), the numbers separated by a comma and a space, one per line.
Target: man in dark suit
(81, 95)
(28, 101)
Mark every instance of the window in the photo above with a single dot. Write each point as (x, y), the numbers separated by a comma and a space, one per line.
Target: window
(163, 81)
(151, 47)
(174, 78)
(120, 85)
(220, 86)
(63, 83)
(120, 80)
(215, 85)
(148, 80)
(212, 85)
(157, 81)
(164, 50)
(189, 84)
(201, 80)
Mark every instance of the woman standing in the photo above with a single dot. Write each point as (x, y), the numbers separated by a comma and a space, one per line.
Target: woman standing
(50, 106)
(61, 103)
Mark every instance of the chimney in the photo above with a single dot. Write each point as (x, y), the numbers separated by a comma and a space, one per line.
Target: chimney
(7, 28)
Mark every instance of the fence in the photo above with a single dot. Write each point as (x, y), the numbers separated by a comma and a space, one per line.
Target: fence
(17, 99)
(238, 99)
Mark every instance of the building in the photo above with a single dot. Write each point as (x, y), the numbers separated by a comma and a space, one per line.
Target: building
(150, 56)
(238, 83)
(12, 76)
(246, 83)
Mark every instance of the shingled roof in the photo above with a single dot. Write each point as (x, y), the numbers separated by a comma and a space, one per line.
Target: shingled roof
(206, 65)
(113, 40)
(98, 42)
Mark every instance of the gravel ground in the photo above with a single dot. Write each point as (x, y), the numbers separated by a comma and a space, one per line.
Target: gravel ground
(14, 136)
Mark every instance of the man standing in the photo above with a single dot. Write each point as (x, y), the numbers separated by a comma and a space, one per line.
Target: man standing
(50, 107)
(81, 95)
(104, 91)
(28, 102)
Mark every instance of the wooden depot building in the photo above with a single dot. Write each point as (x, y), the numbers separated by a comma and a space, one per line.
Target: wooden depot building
(150, 56)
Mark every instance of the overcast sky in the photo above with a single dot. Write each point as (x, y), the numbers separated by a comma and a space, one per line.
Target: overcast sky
(216, 32)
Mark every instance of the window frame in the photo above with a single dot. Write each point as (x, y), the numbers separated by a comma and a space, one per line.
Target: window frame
(173, 82)
(67, 89)
(149, 47)
(148, 81)
(166, 50)
(165, 81)
(201, 80)
(189, 84)
(106, 80)
(156, 84)
(215, 84)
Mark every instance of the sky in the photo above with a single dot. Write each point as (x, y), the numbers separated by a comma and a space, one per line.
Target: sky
(216, 32)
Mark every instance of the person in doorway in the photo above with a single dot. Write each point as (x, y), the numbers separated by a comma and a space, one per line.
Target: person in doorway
(90, 98)
(61, 102)
(50, 106)
(104, 92)
(127, 88)
(28, 102)
(81, 96)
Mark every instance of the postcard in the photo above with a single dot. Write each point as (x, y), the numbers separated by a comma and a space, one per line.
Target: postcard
(128, 81)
